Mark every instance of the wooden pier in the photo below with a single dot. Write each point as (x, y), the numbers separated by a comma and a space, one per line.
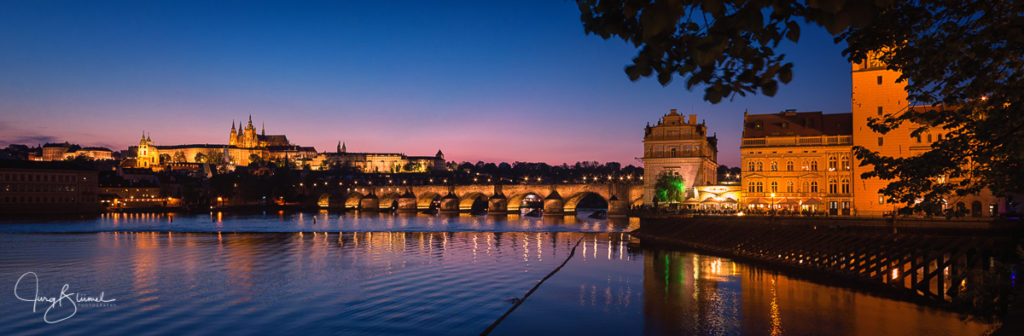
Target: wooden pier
(934, 265)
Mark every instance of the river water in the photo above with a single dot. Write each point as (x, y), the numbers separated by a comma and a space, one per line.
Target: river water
(284, 273)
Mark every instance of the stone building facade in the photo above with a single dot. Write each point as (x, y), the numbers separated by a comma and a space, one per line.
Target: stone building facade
(877, 94)
(798, 162)
(680, 146)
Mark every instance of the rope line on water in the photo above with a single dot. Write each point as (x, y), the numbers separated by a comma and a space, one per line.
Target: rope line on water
(520, 301)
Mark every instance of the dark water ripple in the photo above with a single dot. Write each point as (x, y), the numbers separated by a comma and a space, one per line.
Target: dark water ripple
(403, 282)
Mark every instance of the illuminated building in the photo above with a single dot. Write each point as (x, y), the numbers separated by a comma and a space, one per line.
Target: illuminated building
(877, 94)
(798, 161)
(680, 147)
(67, 151)
(378, 162)
(243, 146)
(719, 197)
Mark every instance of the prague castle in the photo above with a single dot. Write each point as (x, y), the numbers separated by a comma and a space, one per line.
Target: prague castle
(245, 145)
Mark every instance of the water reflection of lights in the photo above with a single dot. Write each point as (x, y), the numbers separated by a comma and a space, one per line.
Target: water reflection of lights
(775, 313)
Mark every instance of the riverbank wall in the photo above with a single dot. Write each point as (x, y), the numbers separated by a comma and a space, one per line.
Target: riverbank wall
(955, 264)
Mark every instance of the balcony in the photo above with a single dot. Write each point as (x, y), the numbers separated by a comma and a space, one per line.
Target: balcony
(817, 140)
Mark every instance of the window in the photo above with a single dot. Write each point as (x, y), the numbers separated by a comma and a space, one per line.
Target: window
(846, 162)
(879, 80)
(750, 165)
(789, 165)
(750, 187)
(833, 164)
(929, 138)
(846, 186)
(759, 166)
(775, 166)
(879, 141)
(881, 199)
(775, 187)
(814, 187)
(939, 136)
(918, 138)
(832, 187)
(789, 187)
(814, 165)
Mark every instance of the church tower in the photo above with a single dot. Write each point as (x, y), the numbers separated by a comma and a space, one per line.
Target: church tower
(147, 155)
(233, 138)
(876, 94)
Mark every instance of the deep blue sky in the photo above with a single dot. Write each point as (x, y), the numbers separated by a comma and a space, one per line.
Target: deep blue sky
(481, 80)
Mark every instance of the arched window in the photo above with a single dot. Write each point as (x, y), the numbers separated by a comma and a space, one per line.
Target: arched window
(803, 165)
(814, 187)
(832, 187)
(814, 165)
(789, 165)
(759, 166)
(750, 165)
(789, 187)
(775, 187)
(760, 186)
(751, 188)
(775, 166)
(846, 186)
(832, 163)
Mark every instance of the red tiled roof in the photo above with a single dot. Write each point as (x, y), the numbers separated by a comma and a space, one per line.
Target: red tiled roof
(791, 123)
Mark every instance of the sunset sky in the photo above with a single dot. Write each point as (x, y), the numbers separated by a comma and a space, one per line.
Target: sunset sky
(480, 80)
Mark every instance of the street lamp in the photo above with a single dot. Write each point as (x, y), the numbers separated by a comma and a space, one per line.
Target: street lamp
(773, 203)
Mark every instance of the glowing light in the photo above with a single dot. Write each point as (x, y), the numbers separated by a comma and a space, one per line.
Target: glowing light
(895, 273)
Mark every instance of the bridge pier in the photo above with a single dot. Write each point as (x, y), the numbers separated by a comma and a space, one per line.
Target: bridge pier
(450, 203)
(617, 207)
(369, 203)
(407, 203)
(553, 204)
(497, 204)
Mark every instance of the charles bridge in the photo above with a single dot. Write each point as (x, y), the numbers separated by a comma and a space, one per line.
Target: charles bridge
(499, 198)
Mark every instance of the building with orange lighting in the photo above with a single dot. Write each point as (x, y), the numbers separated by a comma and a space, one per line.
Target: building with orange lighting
(877, 94)
(798, 162)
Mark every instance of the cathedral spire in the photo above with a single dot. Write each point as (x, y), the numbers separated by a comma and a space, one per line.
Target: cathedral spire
(250, 121)
(232, 124)
(343, 150)
(263, 129)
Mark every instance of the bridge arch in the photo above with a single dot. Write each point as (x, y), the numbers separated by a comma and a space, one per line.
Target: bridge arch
(573, 201)
(516, 200)
(388, 199)
(423, 200)
(466, 201)
(352, 200)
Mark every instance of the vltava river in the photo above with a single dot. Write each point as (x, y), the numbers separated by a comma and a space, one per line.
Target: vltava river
(382, 274)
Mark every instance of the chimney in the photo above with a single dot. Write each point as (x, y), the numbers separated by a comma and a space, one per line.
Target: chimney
(693, 119)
